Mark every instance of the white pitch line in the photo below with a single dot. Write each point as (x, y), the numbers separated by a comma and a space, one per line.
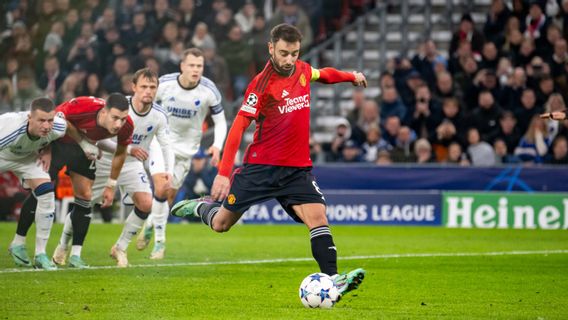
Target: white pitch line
(266, 261)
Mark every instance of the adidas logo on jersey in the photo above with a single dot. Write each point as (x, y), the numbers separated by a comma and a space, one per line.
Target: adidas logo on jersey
(284, 93)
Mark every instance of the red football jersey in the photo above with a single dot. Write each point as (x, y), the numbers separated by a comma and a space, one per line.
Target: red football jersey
(281, 107)
(82, 113)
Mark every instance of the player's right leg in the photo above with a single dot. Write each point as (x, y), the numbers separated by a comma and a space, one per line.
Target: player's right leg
(80, 217)
(160, 210)
(40, 204)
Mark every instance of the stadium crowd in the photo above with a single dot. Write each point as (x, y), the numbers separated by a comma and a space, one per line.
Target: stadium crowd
(475, 105)
(478, 105)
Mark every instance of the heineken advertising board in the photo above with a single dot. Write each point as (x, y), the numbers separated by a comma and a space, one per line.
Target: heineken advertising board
(505, 210)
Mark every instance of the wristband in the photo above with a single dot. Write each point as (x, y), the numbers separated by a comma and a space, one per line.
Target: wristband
(111, 183)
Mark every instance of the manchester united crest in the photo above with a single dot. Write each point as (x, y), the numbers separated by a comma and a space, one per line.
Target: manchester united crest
(303, 80)
(231, 199)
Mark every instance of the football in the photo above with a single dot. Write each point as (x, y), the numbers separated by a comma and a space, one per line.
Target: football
(318, 291)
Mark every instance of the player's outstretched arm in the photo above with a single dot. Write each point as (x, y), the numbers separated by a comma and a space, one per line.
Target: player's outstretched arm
(332, 75)
(558, 115)
(221, 184)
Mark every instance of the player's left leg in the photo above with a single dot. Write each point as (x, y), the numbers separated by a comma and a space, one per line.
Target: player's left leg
(323, 247)
(43, 191)
(80, 217)
(160, 210)
(133, 223)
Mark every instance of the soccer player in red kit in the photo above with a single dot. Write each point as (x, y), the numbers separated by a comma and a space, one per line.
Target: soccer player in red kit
(277, 163)
(89, 120)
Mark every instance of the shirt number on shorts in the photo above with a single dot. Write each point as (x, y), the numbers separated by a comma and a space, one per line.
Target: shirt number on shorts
(92, 165)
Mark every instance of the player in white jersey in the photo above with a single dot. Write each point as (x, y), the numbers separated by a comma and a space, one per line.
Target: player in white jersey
(24, 150)
(187, 97)
(150, 121)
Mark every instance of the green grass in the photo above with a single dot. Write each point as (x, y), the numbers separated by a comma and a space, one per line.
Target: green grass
(531, 286)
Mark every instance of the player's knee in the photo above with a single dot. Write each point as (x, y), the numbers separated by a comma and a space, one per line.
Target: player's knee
(144, 204)
(221, 226)
(45, 196)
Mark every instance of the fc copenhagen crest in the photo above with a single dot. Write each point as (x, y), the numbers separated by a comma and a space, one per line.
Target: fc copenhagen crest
(303, 80)
(231, 199)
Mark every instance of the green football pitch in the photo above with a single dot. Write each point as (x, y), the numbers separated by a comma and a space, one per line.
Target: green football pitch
(253, 272)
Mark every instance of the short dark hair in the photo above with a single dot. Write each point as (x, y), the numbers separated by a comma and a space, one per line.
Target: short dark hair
(191, 51)
(43, 104)
(144, 73)
(286, 32)
(118, 101)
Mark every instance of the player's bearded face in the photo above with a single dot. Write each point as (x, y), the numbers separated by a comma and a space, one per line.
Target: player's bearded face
(114, 119)
(284, 54)
(40, 123)
(145, 90)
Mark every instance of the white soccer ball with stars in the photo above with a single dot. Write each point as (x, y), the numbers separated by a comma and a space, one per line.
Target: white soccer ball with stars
(318, 291)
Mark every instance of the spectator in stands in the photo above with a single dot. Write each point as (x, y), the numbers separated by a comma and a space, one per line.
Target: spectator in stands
(52, 77)
(238, 55)
(467, 33)
(357, 99)
(489, 56)
(486, 116)
(391, 125)
(507, 131)
(171, 64)
(170, 35)
(527, 52)
(6, 95)
(186, 15)
(512, 38)
(449, 130)
(158, 17)
(563, 17)
(316, 150)
(485, 79)
(217, 70)
(383, 158)
(391, 104)
(480, 152)
(27, 90)
(496, 20)
(504, 71)
(502, 156)
(527, 110)
(554, 103)
(425, 114)
(351, 152)
(558, 62)
(553, 34)
(426, 59)
(125, 11)
(290, 12)
(92, 86)
(245, 17)
(423, 151)
(464, 78)
(112, 82)
(534, 145)
(138, 34)
(403, 150)
(456, 155)
(559, 152)
(368, 117)
(335, 147)
(222, 24)
(54, 40)
(72, 28)
(259, 38)
(374, 144)
(511, 93)
(544, 90)
(201, 36)
(445, 87)
(535, 25)
(105, 22)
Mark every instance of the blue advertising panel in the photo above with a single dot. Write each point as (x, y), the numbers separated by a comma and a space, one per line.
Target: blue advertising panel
(363, 207)
(407, 177)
